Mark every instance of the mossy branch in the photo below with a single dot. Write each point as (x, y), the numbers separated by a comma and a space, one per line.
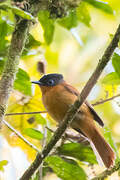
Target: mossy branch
(11, 66)
(74, 108)
(107, 172)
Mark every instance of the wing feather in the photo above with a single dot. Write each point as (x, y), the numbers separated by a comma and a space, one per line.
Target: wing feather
(74, 91)
(96, 116)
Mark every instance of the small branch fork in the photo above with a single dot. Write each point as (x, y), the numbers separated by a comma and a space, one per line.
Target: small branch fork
(74, 108)
(107, 172)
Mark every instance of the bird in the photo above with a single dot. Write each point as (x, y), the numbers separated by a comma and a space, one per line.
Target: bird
(57, 97)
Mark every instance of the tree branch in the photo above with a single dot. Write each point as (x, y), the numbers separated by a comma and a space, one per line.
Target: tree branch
(11, 65)
(74, 108)
(107, 172)
(105, 100)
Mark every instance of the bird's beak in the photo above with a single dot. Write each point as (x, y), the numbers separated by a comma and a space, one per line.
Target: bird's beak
(37, 82)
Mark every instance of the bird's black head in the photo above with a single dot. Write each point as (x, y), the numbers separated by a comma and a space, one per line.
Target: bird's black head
(50, 80)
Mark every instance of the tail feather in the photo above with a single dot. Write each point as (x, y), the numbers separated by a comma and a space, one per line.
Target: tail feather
(104, 150)
(98, 157)
(84, 123)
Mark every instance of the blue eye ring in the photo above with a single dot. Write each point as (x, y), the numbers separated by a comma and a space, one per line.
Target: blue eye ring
(51, 82)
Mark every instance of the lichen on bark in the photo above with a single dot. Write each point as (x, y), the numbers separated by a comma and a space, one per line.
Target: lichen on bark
(11, 65)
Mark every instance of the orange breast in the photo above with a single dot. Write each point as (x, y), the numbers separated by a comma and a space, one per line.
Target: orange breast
(57, 101)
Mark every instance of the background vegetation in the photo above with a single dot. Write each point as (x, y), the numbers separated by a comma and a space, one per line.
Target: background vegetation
(70, 42)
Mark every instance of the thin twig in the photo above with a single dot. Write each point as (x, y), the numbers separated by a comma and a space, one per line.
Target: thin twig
(20, 136)
(74, 108)
(50, 129)
(14, 114)
(105, 100)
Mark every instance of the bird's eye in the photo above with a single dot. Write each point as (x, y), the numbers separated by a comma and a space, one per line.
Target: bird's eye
(51, 82)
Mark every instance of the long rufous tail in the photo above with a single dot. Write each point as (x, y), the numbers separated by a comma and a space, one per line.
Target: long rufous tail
(104, 150)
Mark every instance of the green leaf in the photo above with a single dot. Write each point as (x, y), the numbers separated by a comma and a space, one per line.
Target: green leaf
(65, 170)
(46, 169)
(2, 164)
(40, 119)
(5, 28)
(3, 33)
(78, 151)
(17, 11)
(83, 14)
(31, 43)
(2, 62)
(104, 6)
(116, 63)
(109, 139)
(47, 24)
(22, 82)
(21, 13)
(111, 79)
(33, 133)
(70, 21)
(4, 7)
(68, 160)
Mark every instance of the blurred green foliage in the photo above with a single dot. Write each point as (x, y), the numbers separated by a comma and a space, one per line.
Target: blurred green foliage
(104, 6)
(114, 77)
(2, 164)
(78, 151)
(47, 24)
(65, 170)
